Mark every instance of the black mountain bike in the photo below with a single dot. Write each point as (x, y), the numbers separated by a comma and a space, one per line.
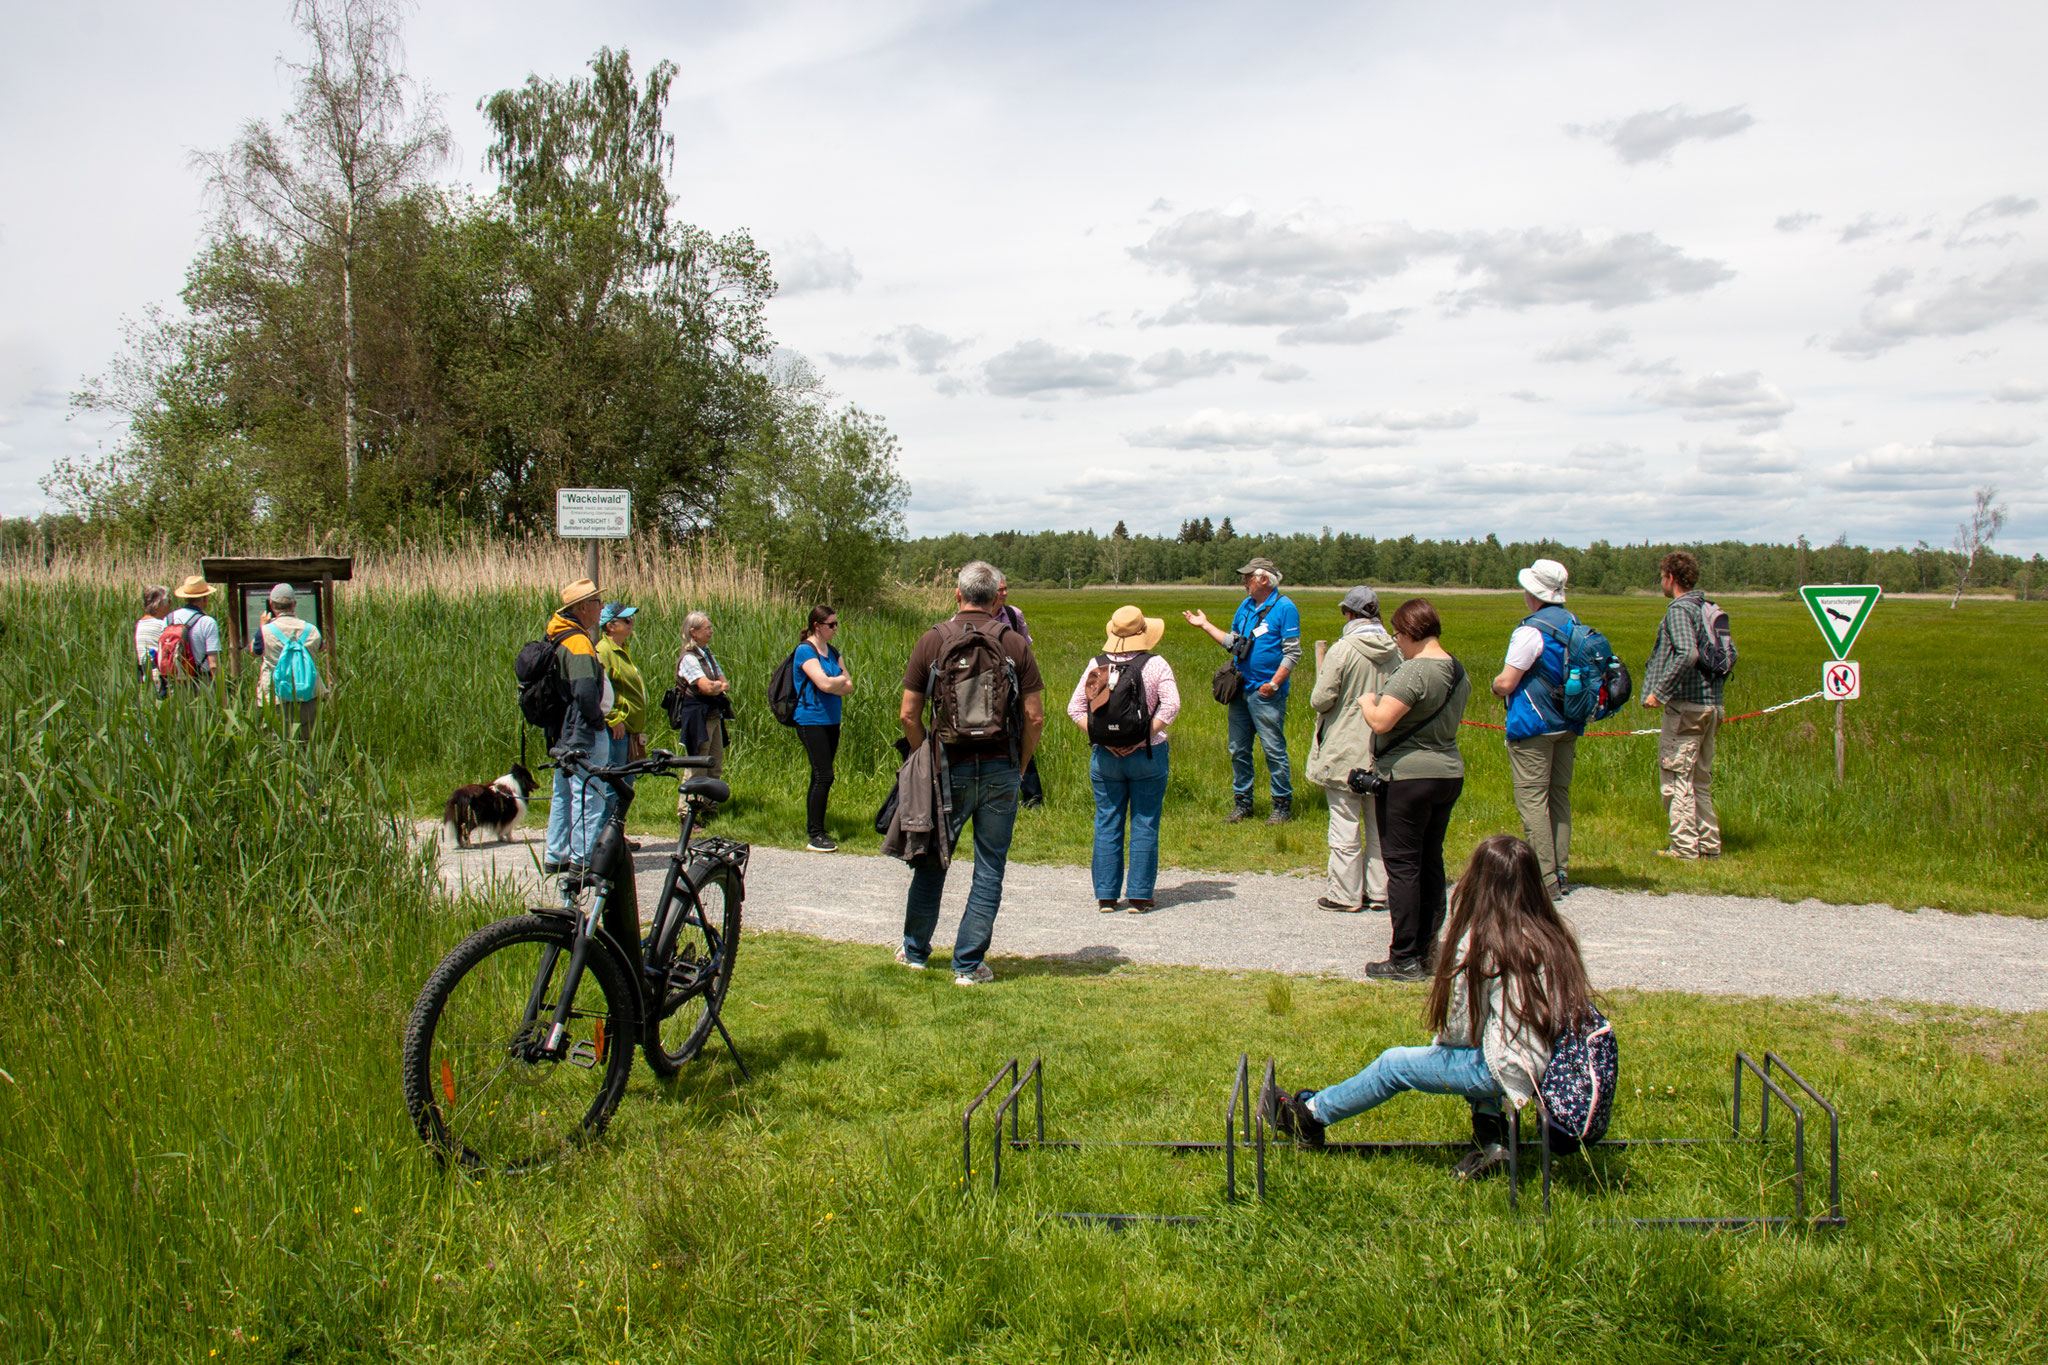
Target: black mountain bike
(522, 1040)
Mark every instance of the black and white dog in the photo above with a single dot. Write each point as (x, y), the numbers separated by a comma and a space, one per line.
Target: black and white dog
(495, 809)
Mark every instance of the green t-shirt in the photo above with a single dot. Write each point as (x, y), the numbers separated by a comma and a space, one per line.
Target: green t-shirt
(1431, 751)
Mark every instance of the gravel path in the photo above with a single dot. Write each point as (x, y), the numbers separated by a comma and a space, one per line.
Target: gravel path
(1722, 945)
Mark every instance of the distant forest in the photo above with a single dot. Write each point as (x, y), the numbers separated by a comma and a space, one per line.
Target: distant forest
(1208, 554)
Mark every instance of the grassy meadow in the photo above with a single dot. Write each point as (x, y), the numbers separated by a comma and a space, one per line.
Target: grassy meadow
(214, 937)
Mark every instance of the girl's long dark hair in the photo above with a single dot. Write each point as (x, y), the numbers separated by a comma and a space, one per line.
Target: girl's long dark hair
(1516, 935)
(818, 617)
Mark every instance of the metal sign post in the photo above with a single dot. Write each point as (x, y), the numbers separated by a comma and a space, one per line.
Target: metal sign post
(592, 515)
(1841, 610)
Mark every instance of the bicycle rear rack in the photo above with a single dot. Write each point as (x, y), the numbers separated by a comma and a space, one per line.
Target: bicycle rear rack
(1252, 1136)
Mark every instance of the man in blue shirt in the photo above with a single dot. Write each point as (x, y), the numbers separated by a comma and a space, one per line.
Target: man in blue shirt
(1264, 641)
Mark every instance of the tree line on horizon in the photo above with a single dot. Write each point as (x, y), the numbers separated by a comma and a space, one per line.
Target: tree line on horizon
(1202, 554)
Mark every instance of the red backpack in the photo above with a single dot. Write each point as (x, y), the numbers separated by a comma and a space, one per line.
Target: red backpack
(174, 656)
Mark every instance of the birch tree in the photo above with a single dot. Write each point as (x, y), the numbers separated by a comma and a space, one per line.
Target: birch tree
(359, 133)
(1974, 536)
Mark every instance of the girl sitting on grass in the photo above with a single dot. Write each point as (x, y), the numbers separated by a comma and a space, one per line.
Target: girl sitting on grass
(1520, 963)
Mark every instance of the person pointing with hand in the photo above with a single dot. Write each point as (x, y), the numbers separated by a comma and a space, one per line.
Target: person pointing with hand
(1264, 641)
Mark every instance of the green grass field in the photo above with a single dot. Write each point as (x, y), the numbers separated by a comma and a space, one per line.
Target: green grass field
(1945, 804)
(214, 940)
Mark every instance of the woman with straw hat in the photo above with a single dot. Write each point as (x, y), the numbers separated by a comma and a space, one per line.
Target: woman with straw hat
(1124, 702)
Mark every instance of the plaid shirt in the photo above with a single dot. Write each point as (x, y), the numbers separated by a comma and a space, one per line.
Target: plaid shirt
(1672, 673)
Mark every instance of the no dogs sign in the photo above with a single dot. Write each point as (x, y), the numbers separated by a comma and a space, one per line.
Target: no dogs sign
(1842, 680)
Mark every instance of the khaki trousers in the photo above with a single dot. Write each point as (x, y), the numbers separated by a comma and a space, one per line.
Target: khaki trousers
(1685, 754)
(1358, 874)
(1542, 770)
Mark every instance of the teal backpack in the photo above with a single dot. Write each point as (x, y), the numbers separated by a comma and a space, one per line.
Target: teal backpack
(293, 677)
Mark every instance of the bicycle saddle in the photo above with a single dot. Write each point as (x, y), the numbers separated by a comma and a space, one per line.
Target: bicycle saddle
(707, 789)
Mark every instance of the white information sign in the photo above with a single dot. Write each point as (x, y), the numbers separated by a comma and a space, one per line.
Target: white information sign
(593, 513)
(1842, 680)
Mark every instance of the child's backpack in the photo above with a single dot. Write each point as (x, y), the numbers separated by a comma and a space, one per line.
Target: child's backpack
(782, 693)
(1714, 649)
(1577, 1089)
(973, 685)
(1117, 717)
(542, 697)
(294, 677)
(1589, 663)
(174, 656)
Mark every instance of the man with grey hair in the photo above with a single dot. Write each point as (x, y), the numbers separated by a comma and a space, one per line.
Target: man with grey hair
(974, 663)
(1264, 641)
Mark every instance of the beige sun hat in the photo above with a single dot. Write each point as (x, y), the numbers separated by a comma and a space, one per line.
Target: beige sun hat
(1131, 630)
(1545, 581)
(582, 590)
(195, 588)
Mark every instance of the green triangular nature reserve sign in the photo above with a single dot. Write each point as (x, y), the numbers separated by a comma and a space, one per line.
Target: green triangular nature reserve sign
(1840, 609)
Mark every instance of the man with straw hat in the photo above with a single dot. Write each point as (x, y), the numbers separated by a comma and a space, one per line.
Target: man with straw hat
(1124, 701)
(577, 811)
(189, 648)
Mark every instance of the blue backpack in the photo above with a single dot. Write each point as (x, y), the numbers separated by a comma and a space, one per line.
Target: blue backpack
(1595, 682)
(1577, 1089)
(293, 677)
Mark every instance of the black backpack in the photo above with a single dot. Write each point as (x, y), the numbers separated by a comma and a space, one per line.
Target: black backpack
(1117, 717)
(542, 697)
(782, 694)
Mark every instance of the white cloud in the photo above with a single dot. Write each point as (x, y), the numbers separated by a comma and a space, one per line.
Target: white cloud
(1540, 266)
(1039, 369)
(1210, 246)
(1283, 372)
(1744, 397)
(1605, 457)
(2020, 391)
(1216, 429)
(1263, 303)
(2004, 206)
(1176, 366)
(1868, 225)
(1356, 330)
(928, 350)
(808, 266)
(1964, 305)
(1892, 281)
(2010, 438)
(1575, 350)
(877, 359)
(1738, 459)
(1797, 222)
(1528, 396)
(1654, 134)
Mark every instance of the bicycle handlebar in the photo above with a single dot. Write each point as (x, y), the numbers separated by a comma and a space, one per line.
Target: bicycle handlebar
(658, 761)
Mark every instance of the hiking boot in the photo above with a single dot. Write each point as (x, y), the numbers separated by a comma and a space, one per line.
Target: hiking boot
(1241, 811)
(1325, 903)
(1376, 907)
(907, 960)
(1138, 907)
(1681, 857)
(1290, 1114)
(1283, 811)
(1105, 906)
(1488, 1159)
(1397, 969)
(980, 976)
(821, 843)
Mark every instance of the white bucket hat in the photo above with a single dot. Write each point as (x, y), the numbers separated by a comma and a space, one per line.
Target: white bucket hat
(1544, 580)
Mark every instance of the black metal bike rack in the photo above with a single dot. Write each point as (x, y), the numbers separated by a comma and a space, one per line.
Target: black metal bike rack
(1253, 1135)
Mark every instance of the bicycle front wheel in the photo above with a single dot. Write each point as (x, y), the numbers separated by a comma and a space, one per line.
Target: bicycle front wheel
(480, 1089)
(699, 973)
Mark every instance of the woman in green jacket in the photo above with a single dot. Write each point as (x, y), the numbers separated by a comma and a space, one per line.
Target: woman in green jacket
(628, 716)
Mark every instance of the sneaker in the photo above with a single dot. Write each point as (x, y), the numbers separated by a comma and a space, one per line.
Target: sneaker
(1105, 906)
(1397, 969)
(1681, 857)
(550, 866)
(822, 843)
(980, 976)
(1561, 888)
(905, 959)
(1376, 907)
(1283, 811)
(1241, 811)
(1138, 907)
(1290, 1114)
(1325, 903)
(1488, 1158)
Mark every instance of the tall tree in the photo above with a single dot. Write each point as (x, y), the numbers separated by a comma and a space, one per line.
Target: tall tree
(359, 134)
(1974, 536)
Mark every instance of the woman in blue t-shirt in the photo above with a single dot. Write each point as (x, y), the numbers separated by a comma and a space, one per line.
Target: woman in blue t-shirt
(822, 683)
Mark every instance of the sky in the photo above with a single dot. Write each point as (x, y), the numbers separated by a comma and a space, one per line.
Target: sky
(1579, 272)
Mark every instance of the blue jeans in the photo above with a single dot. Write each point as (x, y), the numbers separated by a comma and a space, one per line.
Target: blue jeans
(621, 751)
(986, 790)
(1432, 1070)
(577, 813)
(1135, 784)
(1268, 717)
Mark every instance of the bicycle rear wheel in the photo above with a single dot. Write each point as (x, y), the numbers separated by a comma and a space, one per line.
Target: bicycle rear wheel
(476, 1087)
(699, 974)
